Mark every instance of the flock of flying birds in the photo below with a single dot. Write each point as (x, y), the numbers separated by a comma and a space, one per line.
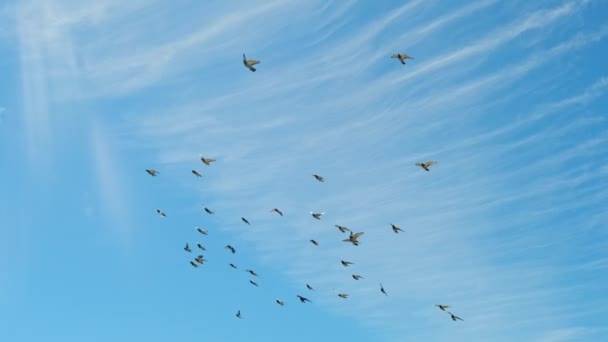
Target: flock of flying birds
(353, 238)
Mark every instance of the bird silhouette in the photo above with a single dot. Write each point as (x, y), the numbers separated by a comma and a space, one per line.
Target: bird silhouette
(314, 242)
(280, 302)
(253, 283)
(161, 213)
(193, 264)
(207, 161)
(426, 165)
(342, 228)
(382, 289)
(396, 229)
(201, 230)
(238, 314)
(244, 220)
(201, 247)
(209, 211)
(401, 57)
(233, 266)
(252, 273)
(319, 178)
(442, 307)
(353, 238)
(454, 317)
(346, 263)
(152, 172)
(317, 215)
(309, 287)
(303, 299)
(275, 210)
(196, 173)
(232, 249)
(357, 277)
(200, 259)
(249, 63)
(187, 248)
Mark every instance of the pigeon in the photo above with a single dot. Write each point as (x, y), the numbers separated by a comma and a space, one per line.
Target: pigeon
(401, 57)
(207, 161)
(346, 263)
(245, 220)
(396, 229)
(454, 317)
(209, 211)
(232, 265)
(319, 178)
(196, 173)
(275, 210)
(193, 264)
(201, 247)
(314, 242)
(201, 230)
(357, 277)
(426, 165)
(230, 248)
(161, 213)
(317, 215)
(238, 314)
(152, 172)
(342, 228)
(343, 295)
(187, 248)
(309, 287)
(253, 282)
(280, 302)
(442, 307)
(304, 299)
(200, 259)
(249, 63)
(252, 273)
(382, 289)
(353, 238)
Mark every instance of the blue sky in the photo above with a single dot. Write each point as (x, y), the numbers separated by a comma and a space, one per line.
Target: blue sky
(509, 228)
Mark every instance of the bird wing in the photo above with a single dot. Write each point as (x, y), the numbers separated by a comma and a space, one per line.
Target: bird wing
(429, 163)
(355, 236)
(252, 62)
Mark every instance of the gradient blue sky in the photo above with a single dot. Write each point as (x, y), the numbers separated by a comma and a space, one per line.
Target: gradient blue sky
(510, 227)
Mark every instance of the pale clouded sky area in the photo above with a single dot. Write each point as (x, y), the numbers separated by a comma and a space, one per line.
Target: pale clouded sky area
(509, 228)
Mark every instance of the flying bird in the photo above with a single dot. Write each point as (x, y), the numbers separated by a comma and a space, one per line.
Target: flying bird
(200, 259)
(238, 314)
(357, 277)
(382, 289)
(342, 228)
(426, 165)
(187, 248)
(201, 247)
(309, 287)
(346, 263)
(396, 229)
(252, 273)
(201, 230)
(193, 264)
(353, 238)
(232, 265)
(304, 299)
(442, 307)
(401, 57)
(207, 161)
(161, 213)
(317, 215)
(275, 210)
(314, 242)
(245, 220)
(229, 247)
(343, 295)
(196, 173)
(319, 178)
(152, 172)
(253, 282)
(280, 302)
(209, 211)
(454, 317)
(249, 63)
